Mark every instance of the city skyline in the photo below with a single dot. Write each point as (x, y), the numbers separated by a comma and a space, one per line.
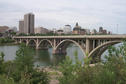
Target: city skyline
(56, 13)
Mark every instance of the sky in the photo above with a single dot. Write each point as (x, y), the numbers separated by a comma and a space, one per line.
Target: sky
(90, 14)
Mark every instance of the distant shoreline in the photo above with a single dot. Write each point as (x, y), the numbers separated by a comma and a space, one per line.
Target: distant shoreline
(2, 44)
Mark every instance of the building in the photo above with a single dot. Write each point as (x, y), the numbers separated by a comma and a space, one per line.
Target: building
(87, 31)
(41, 30)
(94, 31)
(60, 31)
(109, 32)
(3, 29)
(21, 26)
(67, 29)
(83, 32)
(6, 31)
(104, 31)
(76, 29)
(29, 23)
(54, 30)
(14, 29)
(100, 29)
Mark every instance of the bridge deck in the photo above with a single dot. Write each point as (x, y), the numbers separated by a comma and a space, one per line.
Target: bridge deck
(77, 36)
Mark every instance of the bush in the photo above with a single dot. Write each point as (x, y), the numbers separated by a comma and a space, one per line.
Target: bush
(4, 80)
(111, 71)
(21, 70)
(40, 77)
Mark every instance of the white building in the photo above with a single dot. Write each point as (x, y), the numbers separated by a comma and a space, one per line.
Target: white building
(67, 29)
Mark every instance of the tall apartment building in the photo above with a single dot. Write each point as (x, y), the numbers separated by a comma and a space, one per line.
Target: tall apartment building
(29, 23)
(21, 26)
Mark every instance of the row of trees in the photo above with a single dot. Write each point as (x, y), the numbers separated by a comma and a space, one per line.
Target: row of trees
(6, 40)
(48, 34)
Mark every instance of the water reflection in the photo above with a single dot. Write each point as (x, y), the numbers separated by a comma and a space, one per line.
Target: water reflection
(42, 57)
(45, 58)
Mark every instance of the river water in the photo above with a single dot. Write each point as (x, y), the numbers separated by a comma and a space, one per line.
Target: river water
(44, 57)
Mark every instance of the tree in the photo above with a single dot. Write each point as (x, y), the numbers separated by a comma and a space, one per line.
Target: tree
(1, 62)
(111, 71)
(24, 71)
(21, 70)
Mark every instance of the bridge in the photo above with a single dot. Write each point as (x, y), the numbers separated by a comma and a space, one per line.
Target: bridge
(93, 45)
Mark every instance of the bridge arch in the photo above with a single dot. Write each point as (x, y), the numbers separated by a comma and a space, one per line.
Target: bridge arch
(104, 47)
(24, 41)
(71, 41)
(32, 42)
(47, 41)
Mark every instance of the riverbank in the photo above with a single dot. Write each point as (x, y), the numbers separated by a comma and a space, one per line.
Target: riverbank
(53, 72)
(8, 44)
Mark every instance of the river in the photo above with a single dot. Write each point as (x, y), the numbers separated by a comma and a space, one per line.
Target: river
(42, 57)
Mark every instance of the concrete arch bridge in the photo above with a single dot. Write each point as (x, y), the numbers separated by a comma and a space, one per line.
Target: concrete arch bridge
(93, 45)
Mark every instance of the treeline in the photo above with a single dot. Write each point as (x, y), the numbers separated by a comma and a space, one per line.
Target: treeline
(53, 34)
(21, 70)
(48, 34)
(6, 40)
(110, 71)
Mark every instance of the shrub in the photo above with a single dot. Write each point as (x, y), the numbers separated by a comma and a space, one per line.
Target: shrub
(21, 70)
(111, 71)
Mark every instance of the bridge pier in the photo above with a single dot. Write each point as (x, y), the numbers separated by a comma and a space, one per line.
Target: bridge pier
(16, 42)
(89, 46)
(41, 48)
(20, 41)
(59, 51)
(27, 42)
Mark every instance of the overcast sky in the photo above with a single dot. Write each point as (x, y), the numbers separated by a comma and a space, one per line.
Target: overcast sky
(57, 13)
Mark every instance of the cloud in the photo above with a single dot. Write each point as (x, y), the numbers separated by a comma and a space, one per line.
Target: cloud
(56, 13)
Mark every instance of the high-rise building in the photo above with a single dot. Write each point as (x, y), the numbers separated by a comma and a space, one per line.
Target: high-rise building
(21, 26)
(29, 23)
